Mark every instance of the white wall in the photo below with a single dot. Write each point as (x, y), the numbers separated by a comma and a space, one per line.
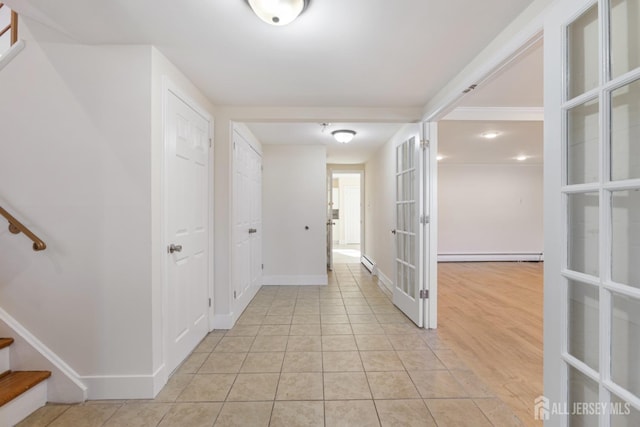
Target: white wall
(380, 205)
(75, 166)
(489, 209)
(294, 196)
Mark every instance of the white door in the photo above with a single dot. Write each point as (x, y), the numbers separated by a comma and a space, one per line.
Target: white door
(247, 214)
(187, 231)
(351, 203)
(409, 232)
(592, 214)
(330, 221)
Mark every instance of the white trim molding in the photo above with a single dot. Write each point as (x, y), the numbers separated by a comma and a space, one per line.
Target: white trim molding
(320, 279)
(382, 278)
(489, 257)
(11, 53)
(535, 114)
(102, 387)
(65, 385)
(223, 321)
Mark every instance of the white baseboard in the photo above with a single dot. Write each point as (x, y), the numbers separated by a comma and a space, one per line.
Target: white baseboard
(29, 353)
(24, 405)
(104, 387)
(490, 257)
(321, 279)
(223, 321)
(5, 362)
(382, 278)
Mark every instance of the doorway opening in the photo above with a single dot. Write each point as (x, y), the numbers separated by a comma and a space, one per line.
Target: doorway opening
(344, 223)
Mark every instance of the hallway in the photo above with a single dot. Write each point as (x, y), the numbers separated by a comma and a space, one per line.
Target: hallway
(309, 356)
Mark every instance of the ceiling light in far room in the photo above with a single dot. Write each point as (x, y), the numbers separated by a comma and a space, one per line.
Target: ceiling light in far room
(490, 134)
(521, 158)
(278, 12)
(440, 157)
(343, 136)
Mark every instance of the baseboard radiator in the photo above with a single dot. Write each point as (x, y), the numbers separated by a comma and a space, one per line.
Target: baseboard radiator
(368, 264)
(492, 256)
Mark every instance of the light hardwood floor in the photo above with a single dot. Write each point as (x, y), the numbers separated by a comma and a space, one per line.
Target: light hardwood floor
(490, 314)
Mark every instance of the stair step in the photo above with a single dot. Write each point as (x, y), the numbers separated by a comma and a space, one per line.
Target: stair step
(5, 342)
(16, 383)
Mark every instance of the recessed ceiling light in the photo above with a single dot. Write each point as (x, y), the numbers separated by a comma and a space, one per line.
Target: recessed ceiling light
(490, 135)
(521, 158)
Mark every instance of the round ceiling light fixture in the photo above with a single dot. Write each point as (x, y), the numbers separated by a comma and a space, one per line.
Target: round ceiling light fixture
(343, 136)
(278, 12)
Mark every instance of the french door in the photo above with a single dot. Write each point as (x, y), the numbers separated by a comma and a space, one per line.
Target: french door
(592, 218)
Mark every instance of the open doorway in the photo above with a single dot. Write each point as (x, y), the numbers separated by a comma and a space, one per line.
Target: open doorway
(344, 231)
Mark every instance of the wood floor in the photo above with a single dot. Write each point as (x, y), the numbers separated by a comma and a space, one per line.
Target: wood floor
(490, 314)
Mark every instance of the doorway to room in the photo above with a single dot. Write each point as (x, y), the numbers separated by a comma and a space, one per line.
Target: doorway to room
(344, 217)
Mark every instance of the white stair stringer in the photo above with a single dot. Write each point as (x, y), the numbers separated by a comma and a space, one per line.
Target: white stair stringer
(24, 405)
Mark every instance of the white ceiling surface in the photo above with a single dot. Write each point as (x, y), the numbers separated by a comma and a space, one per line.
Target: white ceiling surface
(355, 53)
(369, 137)
(462, 141)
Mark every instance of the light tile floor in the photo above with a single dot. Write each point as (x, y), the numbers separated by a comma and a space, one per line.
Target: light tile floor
(338, 355)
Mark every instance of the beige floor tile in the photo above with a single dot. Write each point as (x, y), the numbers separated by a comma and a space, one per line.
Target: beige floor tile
(192, 364)
(250, 319)
(334, 301)
(269, 343)
(305, 319)
(392, 318)
(208, 343)
(333, 318)
(383, 309)
(277, 320)
(300, 386)
(281, 311)
(400, 328)
(297, 414)
(408, 342)
(222, 363)
(304, 343)
(43, 416)
(358, 309)
(381, 361)
(474, 386)
(306, 329)
(234, 345)
(498, 413)
(332, 310)
(243, 331)
(351, 293)
(86, 415)
(337, 329)
(355, 302)
(244, 414)
(138, 415)
(373, 342)
(257, 310)
(302, 362)
(207, 388)
(423, 360)
(405, 413)
(176, 384)
(392, 385)
(367, 329)
(274, 330)
(437, 384)
(363, 318)
(346, 386)
(253, 387)
(191, 414)
(350, 413)
(456, 412)
(341, 361)
(450, 359)
(338, 343)
(263, 362)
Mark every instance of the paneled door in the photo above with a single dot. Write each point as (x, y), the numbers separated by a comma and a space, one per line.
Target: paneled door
(187, 233)
(409, 233)
(592, 220)
(247, 214)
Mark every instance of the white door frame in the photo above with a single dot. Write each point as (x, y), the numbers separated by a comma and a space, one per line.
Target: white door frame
(168, 87)
(332, 171)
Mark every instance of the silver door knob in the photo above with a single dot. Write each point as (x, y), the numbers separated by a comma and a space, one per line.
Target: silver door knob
(393, 231)
(174, 248)
(252, 230)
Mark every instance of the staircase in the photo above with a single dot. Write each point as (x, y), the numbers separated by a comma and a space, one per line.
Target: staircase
(21, 392)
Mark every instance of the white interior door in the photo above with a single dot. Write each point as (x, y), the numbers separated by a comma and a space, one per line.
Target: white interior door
(187, 232)
(409, 261)
(247, 212)
(351, 203)
(592, 214)
(330, 220)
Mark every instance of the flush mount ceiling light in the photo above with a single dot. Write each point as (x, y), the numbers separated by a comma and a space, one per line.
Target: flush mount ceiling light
(521, 158)
(278, 12)
(490, 135)
(343, 136)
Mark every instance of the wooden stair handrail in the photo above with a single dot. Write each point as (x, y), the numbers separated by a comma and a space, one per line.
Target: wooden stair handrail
(16, 227)
(13, 26)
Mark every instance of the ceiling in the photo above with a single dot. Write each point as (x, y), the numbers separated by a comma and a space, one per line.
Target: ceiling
(356, 54)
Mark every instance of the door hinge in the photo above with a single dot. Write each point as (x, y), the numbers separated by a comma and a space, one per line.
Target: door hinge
(210, 143)
(263, 266)
(424, 219)
(424, 144)
(424, 294)
(234, 295)
(209, 302)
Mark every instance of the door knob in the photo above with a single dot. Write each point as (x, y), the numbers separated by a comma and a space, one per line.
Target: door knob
(252, 230)
(174, 248)
(393, 231)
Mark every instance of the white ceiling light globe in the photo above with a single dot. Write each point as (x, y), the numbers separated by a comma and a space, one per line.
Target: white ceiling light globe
(278, 12)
